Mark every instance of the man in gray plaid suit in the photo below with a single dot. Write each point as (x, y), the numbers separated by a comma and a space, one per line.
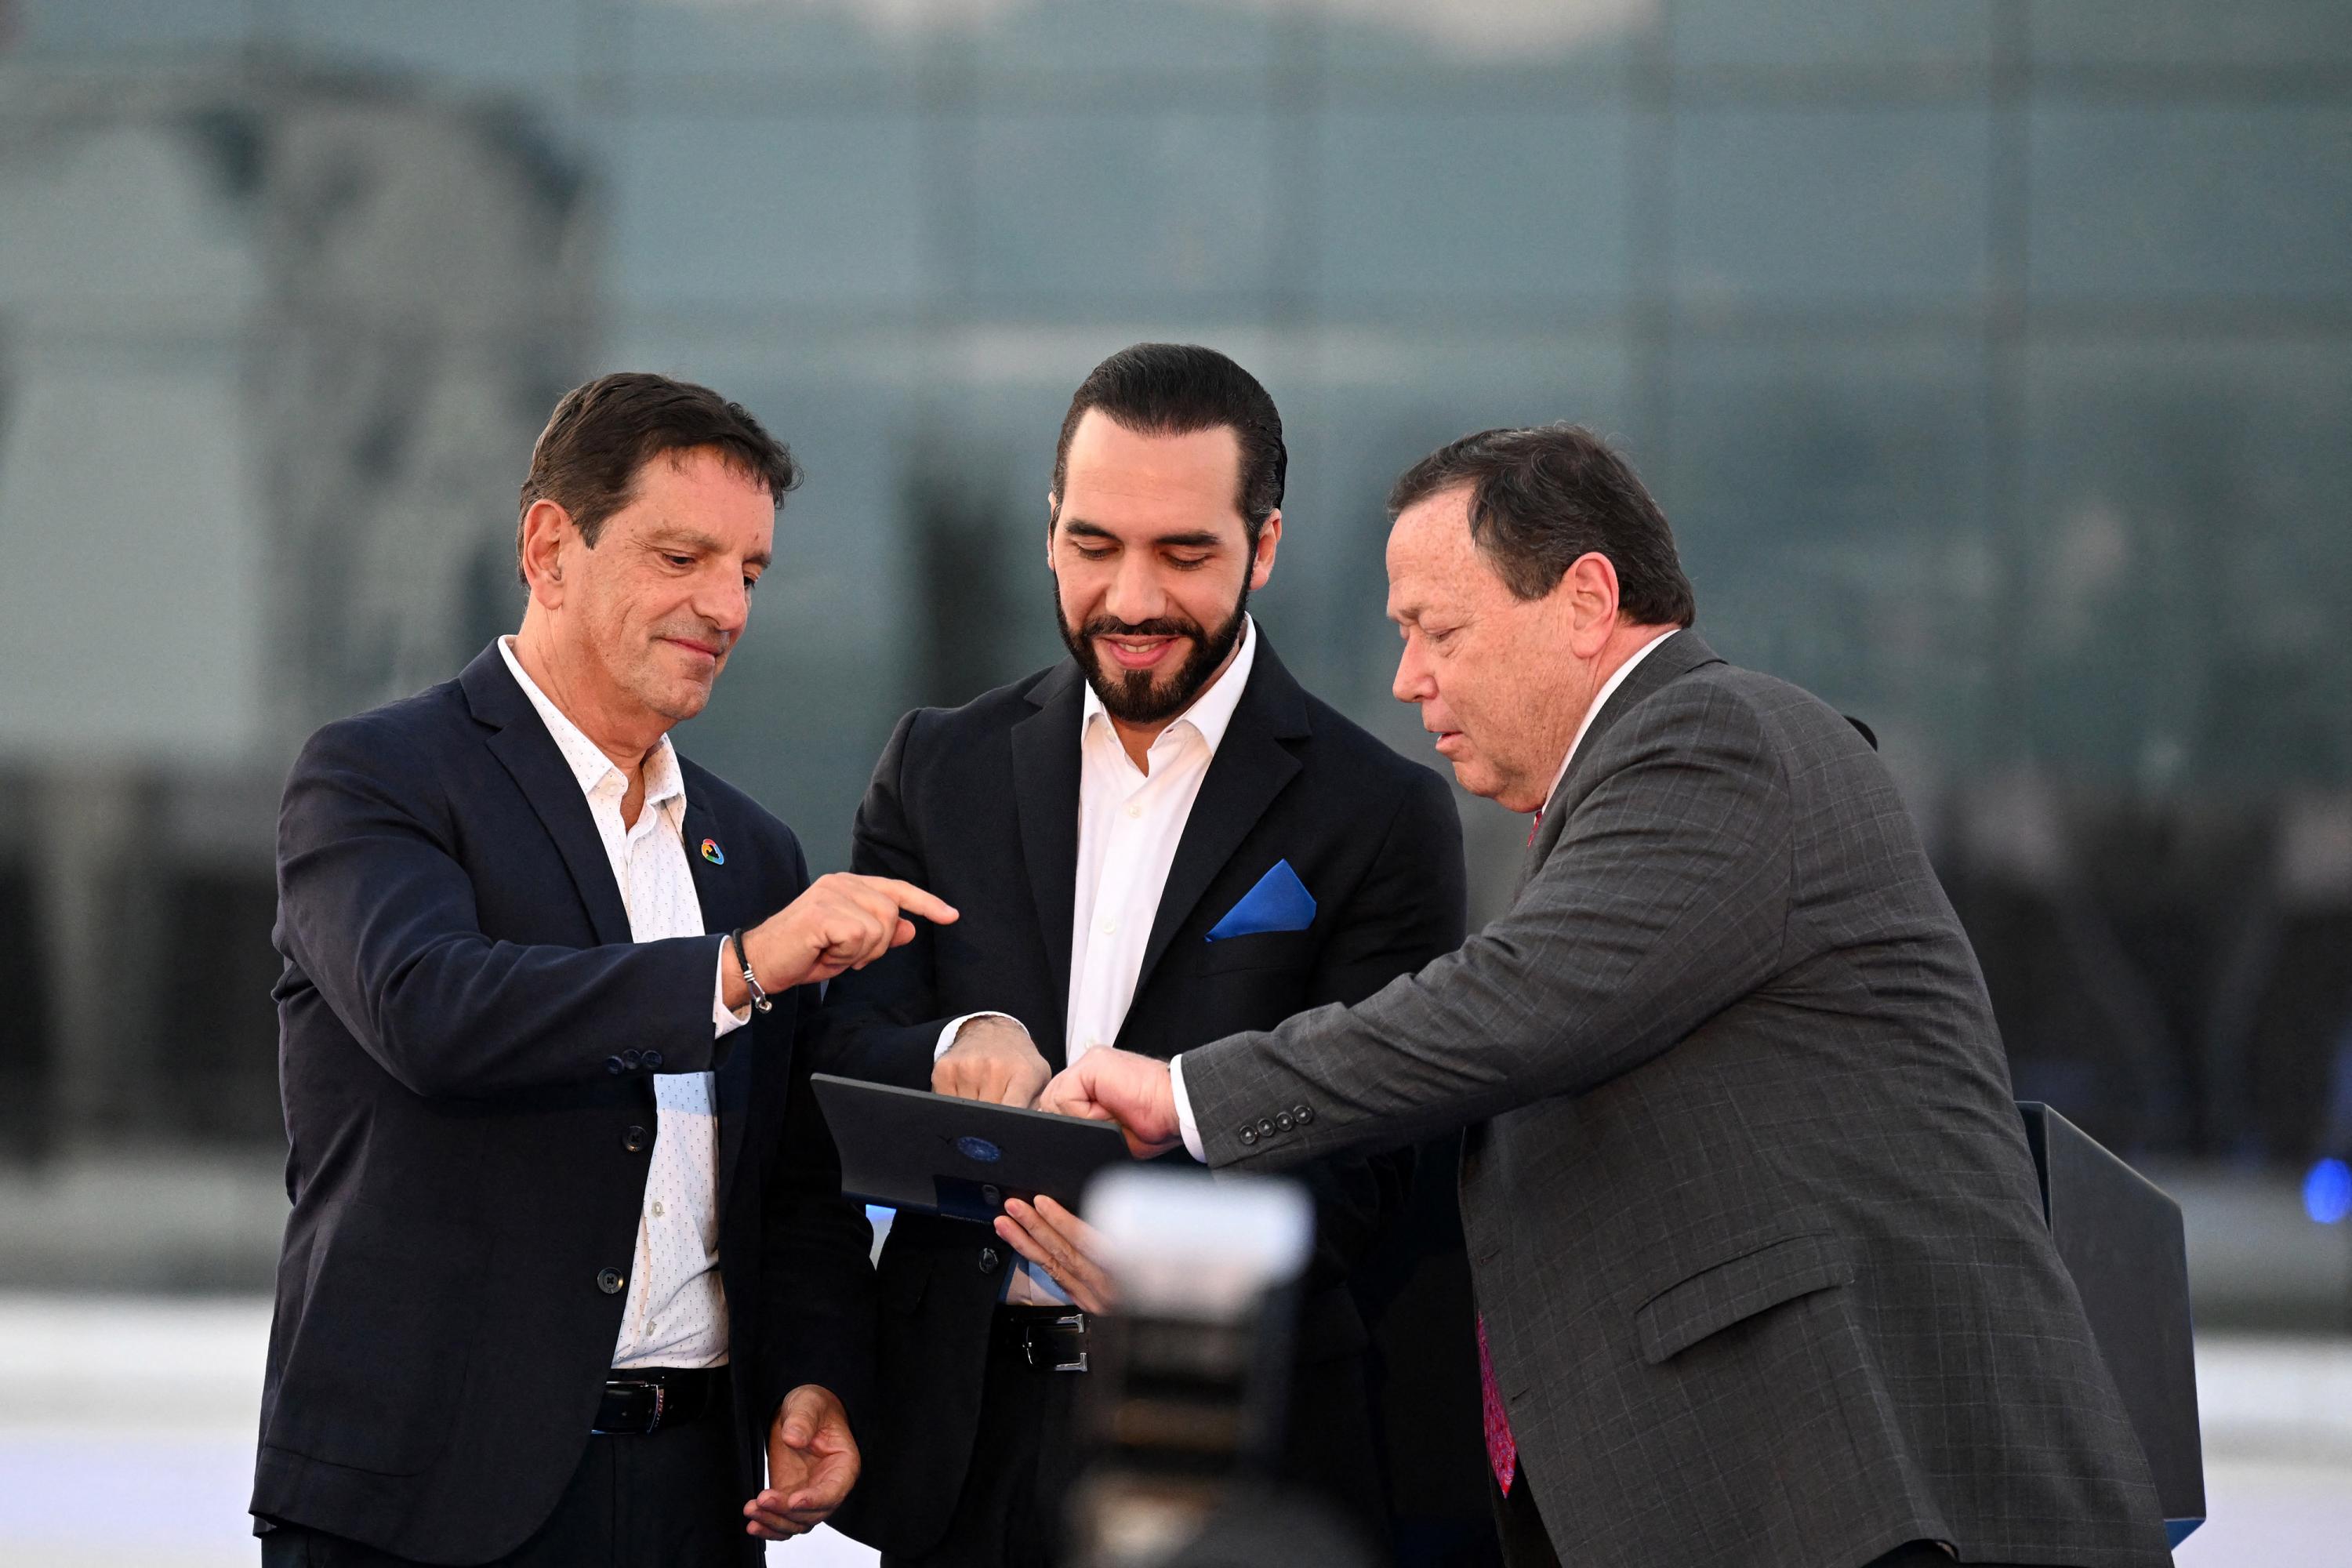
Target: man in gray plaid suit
(1762, 1270)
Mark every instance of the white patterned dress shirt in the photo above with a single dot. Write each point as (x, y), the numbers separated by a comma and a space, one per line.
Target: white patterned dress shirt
(1129, 823)
(676, 1309)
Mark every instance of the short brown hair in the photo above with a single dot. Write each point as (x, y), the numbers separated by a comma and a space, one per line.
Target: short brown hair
(1543, 497)
(603, 434)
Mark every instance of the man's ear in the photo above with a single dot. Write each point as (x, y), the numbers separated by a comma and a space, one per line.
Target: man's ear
(1589, 588)
(1053, 519)
(546, 530)
(1269, 539)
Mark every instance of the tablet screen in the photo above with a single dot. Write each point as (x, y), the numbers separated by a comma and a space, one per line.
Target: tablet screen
(911, 1149)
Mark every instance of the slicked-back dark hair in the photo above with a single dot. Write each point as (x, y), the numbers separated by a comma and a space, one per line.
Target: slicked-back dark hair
(1175, 389)
(1541, 497)
(605, 432)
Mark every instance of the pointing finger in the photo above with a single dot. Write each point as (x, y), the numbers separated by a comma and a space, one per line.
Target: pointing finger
(914, 900)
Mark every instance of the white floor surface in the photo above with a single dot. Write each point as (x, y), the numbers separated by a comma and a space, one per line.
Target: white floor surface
(127, 1427)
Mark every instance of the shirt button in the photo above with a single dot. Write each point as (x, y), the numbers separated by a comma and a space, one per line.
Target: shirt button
(659, 1211)
(634, 1140)
(1109, 927)
(988, 1258)
(609, 1281)
(1135, 808)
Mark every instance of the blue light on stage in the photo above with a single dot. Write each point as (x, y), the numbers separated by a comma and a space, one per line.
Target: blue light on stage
(2327, 1192)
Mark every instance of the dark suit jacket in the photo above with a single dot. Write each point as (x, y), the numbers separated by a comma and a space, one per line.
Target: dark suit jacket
(467, 1040)
(980, 805)
(1749, 1209)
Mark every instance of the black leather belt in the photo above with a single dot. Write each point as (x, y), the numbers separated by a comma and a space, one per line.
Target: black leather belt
(640, 1400)
(1049, 1339)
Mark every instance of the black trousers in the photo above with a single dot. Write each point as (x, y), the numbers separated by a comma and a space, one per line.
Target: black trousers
(1527, 1545)
(667, 1499)
(1029, 1453)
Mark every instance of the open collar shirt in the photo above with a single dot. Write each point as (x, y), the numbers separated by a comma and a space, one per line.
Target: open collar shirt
(675, 1314)
(1130, 821)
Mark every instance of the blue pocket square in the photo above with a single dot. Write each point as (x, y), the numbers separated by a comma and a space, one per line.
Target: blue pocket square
(1280, 901)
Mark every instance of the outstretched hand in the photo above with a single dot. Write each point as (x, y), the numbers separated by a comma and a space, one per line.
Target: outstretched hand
(1108, 1085)
(842, 922)
(813, 1462)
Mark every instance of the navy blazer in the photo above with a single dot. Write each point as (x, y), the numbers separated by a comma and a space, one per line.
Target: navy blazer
(468, 1037)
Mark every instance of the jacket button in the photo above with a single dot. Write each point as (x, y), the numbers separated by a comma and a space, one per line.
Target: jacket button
(652, 1061)
(1249, 1135)
(634, 1140)
(634, 1058)
(1266, 1128)
(615, 1063)
(1285, 1121)
(609, 1281)
(1302, 1114)
(988, 1258)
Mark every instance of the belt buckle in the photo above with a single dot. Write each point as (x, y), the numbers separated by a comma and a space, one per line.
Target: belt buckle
(661, 1399)
(1074, 1321)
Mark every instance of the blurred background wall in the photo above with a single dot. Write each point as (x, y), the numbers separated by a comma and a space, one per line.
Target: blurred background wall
(1993, 359)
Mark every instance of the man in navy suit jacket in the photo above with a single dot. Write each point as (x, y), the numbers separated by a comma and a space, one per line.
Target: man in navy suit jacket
(1161, 837)
(567, 1250)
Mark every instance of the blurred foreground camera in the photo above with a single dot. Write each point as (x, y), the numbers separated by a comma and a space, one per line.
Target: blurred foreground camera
(1192, 1381)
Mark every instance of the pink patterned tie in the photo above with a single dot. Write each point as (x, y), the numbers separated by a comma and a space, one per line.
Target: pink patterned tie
(1502, 1449)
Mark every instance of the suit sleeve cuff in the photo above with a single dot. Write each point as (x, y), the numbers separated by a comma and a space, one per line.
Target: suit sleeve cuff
(955, 1026)
(1184, 1122)
(724, 1020)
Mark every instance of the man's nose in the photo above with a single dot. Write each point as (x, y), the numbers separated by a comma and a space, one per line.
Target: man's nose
(725, 601)
(1135, 595)
(1412, 683)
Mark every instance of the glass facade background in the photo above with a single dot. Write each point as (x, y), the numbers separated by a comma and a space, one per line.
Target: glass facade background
(1993, 359)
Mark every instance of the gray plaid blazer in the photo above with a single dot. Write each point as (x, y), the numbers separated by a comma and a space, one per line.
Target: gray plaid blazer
(1750, 1213)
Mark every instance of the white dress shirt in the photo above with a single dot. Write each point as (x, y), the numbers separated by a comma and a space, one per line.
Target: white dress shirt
(1130, 821)
(1185, 1124)
(676, 1309)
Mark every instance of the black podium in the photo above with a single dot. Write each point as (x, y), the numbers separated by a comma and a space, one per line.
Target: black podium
(2120, 1238)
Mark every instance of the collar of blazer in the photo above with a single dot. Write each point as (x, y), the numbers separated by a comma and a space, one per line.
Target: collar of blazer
(527, 751)
(1677, 656)
(522, 745)
(1252, 765)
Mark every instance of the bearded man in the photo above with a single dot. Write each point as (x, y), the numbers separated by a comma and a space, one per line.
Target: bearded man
(1160, 839)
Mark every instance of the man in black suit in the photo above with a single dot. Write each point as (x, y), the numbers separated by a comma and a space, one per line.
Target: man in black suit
(567, 1247)
(1160, 839)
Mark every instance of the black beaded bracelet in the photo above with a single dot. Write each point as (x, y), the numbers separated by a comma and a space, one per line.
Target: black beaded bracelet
(744, 958)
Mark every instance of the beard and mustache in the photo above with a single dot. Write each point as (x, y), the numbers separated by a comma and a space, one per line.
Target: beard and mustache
(1140, 696)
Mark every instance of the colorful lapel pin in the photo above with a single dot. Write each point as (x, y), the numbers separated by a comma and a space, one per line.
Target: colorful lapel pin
(713, 853)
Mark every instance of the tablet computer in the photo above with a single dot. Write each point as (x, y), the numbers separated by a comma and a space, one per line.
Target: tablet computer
(911, 1149)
